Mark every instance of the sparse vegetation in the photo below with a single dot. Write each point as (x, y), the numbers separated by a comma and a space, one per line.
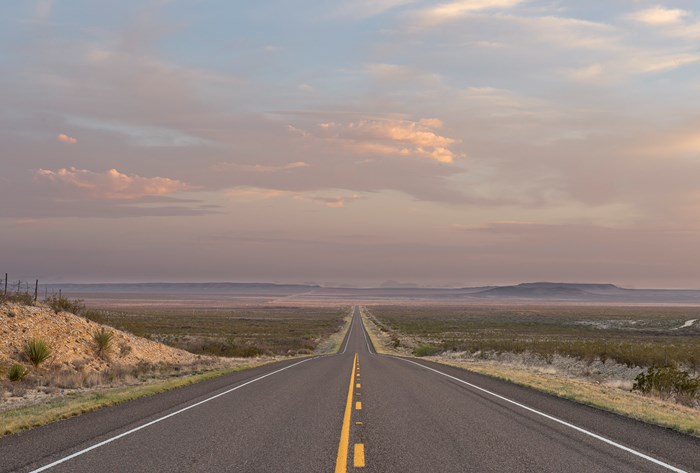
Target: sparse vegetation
(17, 372)
(634, 336)
(235, 332)
(37, 351)
(426, 349)
(124, 349)
(13, 421)
(669, 382)
(102, 339)
(60, 303)
(94, 315)
(22, 298)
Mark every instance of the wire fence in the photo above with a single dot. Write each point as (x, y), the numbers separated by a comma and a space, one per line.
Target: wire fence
(10, 288)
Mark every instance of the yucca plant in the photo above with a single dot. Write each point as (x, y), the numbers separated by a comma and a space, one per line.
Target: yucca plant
(17, 372)
(37, 350)
(102, 338)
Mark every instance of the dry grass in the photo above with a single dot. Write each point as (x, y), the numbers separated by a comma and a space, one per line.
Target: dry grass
(89, 390)
(332, 343)
(609, 398)
(248, 331)
(16, 420)
(585, 391)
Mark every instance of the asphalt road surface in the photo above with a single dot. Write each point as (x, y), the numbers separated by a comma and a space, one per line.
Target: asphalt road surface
(354, 411)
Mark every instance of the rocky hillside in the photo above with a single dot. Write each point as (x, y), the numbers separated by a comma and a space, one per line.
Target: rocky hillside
(70, 339)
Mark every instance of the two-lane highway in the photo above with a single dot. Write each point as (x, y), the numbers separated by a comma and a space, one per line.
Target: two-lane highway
(354, 411)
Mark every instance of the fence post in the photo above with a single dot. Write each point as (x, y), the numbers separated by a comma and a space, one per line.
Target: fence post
(5, 283)
(36, 290)
(19, 286)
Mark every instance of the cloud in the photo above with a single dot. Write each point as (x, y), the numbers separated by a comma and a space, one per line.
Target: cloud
(659, 15)
(261, 168)
(63, 138)
(390, 72)
(586, 73)
(433, 16)
(110, 185)
(252, 194)
(671, 21)
(367, 8)
(389, 137)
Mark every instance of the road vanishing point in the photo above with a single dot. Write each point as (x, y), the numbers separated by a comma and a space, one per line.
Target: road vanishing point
(355, 411)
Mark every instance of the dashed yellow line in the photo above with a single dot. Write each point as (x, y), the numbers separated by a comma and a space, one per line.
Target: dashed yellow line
(358, 460)
(358, 406)
(341, 461)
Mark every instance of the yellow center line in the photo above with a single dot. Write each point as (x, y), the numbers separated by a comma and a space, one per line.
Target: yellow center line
(358, 460)
(341, 461)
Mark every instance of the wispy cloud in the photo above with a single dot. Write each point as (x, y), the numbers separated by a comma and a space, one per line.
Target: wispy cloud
(110, 185)
(389, 137)
(63, 138)
(261, 168)
(659, 15)
(434, 15)
(367, 8)
(252, 194)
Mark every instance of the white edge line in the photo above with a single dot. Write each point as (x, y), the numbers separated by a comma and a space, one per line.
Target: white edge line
(352, 322)
(364, 332)
(128, 432)
(555, 419)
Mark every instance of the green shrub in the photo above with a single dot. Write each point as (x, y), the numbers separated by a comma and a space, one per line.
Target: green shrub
(668, 381)
(17, 372)
(426, 350)
(22, 298)
(102, 339)
(37, 351)
(94, 315)
(60, 303)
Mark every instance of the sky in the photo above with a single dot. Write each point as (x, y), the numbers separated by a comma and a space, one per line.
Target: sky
(447, 143)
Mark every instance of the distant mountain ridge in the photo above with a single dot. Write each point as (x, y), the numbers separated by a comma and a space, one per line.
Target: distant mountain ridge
(532, 291)
(177, 287)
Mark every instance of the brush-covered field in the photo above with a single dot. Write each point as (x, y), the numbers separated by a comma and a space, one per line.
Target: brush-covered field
(229, 331)
(633, 336)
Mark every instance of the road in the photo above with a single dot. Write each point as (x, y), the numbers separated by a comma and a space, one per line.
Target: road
(354, 411)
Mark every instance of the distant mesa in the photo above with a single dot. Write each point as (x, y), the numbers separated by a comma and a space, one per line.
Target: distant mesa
(553, 290)
(534, 291)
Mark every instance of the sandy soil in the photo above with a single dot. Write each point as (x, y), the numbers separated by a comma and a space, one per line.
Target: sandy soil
(74, 365)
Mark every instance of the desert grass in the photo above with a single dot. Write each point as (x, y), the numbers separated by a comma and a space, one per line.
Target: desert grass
(644, 408)
(606, 396)
(634, 336)
(333, 342)
(231, 332)
(16, 420)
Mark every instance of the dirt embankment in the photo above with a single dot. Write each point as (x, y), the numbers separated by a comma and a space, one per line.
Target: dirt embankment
(70, 339)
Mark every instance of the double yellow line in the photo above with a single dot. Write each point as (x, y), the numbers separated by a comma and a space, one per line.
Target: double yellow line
(341, 462)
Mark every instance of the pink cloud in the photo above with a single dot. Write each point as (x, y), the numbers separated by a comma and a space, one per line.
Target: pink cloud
(261, 168)
(63, 138)
(389, 137)
(111, 185)
(251, 194)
